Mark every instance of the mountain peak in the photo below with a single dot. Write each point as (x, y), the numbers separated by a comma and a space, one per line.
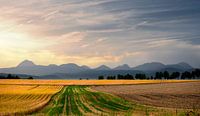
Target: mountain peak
(103, 67)
(26, 63)
(185, 65)
(69, 65)
(123, 67)
(153, 66)
(52, 65)
(85, 67)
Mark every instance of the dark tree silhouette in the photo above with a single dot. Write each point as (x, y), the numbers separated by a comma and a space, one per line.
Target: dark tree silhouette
(111, 77)
(174, 75)
(166, 75)
(30, 77)
(140, 76)
(128, 77)
(186, 75)
(101, 77)
(159, 75)
(120, 76)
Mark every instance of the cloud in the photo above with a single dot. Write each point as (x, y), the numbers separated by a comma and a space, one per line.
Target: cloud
(50, 15)
(101, 39)
(105, 31)
(72, 37)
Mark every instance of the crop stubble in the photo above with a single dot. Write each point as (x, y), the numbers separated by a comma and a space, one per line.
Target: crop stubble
(20, 99)
(167, 95)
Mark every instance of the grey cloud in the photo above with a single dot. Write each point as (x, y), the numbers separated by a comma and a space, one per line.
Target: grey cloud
(128, 25)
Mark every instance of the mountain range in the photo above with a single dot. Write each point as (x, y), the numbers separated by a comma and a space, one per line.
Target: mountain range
(74, 71)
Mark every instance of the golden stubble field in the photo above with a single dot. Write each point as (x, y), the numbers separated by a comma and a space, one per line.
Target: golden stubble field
(22, 99)
(86, 82)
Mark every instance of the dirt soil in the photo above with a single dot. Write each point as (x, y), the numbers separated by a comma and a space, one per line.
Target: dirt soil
(169, 95)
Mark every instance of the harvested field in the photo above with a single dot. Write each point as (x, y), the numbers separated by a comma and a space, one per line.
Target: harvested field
(86, 82)
(45, 97)
(168, 95)
(22, 99)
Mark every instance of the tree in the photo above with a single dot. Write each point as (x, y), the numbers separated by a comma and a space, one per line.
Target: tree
(2, 77)
(120, 76)
(175, 75)
(30, 77)
(17, 77)
(166, 75)
(193, 74)
(101, 77)
(185, 75)
(197, 72)
(152, 77)
(111, 77)
(140, 76)
(128, 76)
(159, 75)
(9, 76)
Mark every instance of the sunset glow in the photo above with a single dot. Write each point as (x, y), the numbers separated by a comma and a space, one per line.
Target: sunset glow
(97, 32)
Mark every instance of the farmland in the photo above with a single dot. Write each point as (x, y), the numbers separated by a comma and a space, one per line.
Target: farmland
(86, 82)
(167, 95)
(22, 99)
(80, 100)
(94, 97)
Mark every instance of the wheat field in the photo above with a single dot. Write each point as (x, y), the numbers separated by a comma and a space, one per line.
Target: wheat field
(21, 99)
(86, 82)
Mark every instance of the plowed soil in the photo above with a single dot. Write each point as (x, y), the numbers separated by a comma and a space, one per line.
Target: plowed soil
(169, 95)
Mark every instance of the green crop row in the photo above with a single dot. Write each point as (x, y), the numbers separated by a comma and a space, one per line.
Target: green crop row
(80, 100)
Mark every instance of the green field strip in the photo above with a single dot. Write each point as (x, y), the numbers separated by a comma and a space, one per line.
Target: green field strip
(91, 101)
(82, 105)
(89, 107)
(81, 100)
(65, 105)
(99, 99)
(56, 106)
(74, 107)
(113, 103)
(67, 109)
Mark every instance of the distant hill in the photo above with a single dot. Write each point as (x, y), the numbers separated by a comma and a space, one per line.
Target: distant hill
(26, 63)
(29, 68)
(103, 67)
(90, 74)
(151, 68)
(20, 75)
(123, 67)
(154, 66)
(74, 71)
(180, 66)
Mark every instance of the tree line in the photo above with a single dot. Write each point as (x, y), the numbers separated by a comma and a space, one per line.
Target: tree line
(10, 76)
(195, 74)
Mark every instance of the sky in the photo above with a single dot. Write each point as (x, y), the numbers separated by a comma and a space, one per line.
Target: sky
(95, 32)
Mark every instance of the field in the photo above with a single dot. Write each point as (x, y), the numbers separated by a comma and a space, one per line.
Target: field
(81, 100)
(104, 97)
(22, 99)
(168, 95)
(86, 82)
